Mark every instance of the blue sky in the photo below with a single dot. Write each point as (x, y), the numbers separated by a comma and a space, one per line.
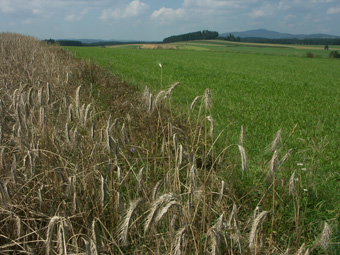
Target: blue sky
(156, 19)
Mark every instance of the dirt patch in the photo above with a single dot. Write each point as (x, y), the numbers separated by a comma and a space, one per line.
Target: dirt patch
(158, 46)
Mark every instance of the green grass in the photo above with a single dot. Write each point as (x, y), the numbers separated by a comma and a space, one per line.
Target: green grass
(262, 88)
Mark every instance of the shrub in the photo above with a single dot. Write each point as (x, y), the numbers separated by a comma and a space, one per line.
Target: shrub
(334, 54)
(310, 55)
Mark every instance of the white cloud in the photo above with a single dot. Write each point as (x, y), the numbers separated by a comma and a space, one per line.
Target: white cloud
(334, 10)
(167, 14)
(134, 9)
(264, 11)
(7, 6)
(76, 17)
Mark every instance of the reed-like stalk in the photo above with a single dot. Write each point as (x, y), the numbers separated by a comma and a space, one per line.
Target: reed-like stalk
(125, 224)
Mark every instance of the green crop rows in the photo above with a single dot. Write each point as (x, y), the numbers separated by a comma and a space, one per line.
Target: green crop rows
(262, 88)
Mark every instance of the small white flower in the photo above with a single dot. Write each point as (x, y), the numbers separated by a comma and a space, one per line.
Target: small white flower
(160, 64)
(304, 169)
(305, 190)
(300, 164)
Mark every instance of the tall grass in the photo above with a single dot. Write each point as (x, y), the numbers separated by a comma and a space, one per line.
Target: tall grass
(89, 165)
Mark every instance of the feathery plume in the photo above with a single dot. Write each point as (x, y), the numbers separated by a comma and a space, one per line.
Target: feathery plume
(255, 227)
(292, 183)
(124, 226)
(194, 102)
(222, 190)
(207, 99)
(169, 92)
(54, 220)
(243, 157)
(286, 156)
(156, 205)
(326, 233)
(242, 135)
(217, 236)
(276, 141)
(140, 180)
(155, 190)
(273, 163)
(180, 241)
(211, 130)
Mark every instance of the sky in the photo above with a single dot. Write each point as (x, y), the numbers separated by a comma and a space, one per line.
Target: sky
(153, 20)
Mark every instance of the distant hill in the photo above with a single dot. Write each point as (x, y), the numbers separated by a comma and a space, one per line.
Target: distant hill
(264, 33)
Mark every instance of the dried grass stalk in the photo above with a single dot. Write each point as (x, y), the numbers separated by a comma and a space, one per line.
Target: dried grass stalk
(292, 183)
(180, 240)
(155, 190)
(207, 98)
(211, 130)
(255, 227)
(194, 102)
(222, 190)
(276, 141)
(243, 157)
(286, 156)
(169, 92)
(216, 235)
(124, 226)
(273, 163)
(140, 180)
(325, 237)
(156, 211)
(242, 136)
(51, 225)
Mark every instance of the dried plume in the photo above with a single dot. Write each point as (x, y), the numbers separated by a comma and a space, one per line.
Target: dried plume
(157, 209)
(194, 102)
(242, 135)
(255, 228)
(124, 226)
(211, 130)
(180, 240)
(169, 92)
(273, 163)
(276, 141)
(216, 234)
(325, 237)
(207, 98)
(292, 183)
(222, 190)
(286, 156)
(51, 225)
(243, 157)
(156, 189)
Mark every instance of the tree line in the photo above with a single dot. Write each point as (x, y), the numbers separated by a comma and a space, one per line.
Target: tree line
(199, 35)
(306, 41)
(64, 42)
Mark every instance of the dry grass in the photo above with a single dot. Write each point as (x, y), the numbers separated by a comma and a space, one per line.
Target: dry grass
(90, 166)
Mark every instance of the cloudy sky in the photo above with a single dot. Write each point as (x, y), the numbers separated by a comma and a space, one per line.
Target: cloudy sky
(156, 19)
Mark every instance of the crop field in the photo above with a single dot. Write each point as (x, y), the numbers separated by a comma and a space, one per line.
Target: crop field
(241, 157)
(262, 88)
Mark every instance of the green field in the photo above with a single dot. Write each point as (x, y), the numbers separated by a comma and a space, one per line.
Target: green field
(262, 88)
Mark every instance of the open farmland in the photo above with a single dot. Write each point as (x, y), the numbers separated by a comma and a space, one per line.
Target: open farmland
(91, 165)
(263, 89)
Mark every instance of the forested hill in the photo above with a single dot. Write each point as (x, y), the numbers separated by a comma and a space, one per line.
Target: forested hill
(199, 35)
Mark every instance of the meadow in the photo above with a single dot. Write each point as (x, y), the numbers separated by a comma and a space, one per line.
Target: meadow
(262, 88)
(92, 164)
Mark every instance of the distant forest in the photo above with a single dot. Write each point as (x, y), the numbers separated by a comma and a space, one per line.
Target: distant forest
(199, 35)
(306, 41)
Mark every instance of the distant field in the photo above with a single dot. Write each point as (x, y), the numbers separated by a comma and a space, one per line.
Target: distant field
(263, 88)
